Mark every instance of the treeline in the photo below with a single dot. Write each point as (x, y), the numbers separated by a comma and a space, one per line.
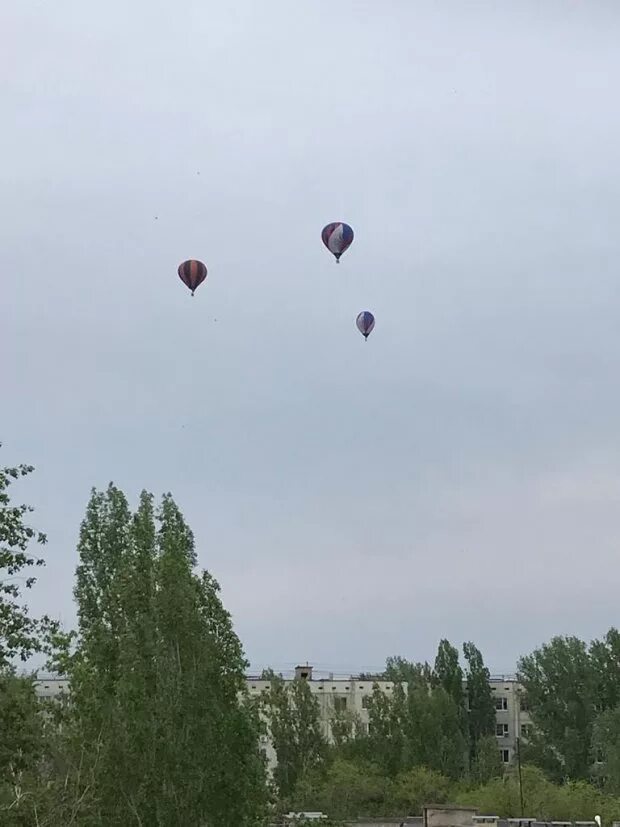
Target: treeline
(160, 730)
(432, 738)
(423, 722)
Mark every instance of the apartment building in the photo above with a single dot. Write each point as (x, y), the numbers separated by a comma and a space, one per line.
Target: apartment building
(352, 694)
(512, 719)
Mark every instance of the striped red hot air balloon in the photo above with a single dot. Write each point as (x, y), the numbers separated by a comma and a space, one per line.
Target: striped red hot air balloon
(192, 273)
(337, 237)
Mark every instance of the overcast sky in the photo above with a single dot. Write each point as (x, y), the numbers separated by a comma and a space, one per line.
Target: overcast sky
(456, 476)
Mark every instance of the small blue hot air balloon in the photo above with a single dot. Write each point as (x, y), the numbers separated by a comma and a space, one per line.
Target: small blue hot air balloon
(365, 323)
(337, 237)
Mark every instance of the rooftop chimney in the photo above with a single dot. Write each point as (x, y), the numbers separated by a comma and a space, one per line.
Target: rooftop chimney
(303, 673)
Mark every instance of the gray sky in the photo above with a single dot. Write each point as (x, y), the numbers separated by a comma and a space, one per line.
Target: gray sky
(457, 475)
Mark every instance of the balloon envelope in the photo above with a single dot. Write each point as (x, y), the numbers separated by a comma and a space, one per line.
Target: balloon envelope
(365, 323)
(192, 273)
(337, 237)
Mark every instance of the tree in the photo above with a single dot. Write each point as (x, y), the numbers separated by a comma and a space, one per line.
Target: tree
(448, 673)
(345, 789)
(22, 741)
(480, 704)
(487, 763)
(292, 714)
(345, 725)
(387, 728)
(162, 730)
(434, 738)
(543, 800)
(606, 750)
(400, 670)
(561, 690)
(20, 635)
(605, 658)
(415, 788)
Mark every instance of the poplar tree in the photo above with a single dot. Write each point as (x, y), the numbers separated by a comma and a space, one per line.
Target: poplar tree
(161, 720)
(480, 703)
(292, 715)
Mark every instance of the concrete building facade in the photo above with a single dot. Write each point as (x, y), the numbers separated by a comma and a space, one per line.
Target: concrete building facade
(352, 694)
(512, 718)
(344, 694)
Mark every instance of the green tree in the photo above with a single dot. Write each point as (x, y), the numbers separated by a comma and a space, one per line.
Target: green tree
(605, 658)
(480, 703)
(434, 738)
(345, 725)
(543, 800)
(417, 787)
(292, 714)
(400, 670)
(345, 789)
(448, 673)
(20, 635)
(606, 750)
(487, 763)
(387, 713)
(21, 742)
(560, 686)
(162, 731)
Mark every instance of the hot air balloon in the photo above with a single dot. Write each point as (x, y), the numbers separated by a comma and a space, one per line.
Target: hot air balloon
(337, 237)
(192, 273)
(365, 323)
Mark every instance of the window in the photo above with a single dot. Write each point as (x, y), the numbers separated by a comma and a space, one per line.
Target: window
(364, 728)
(366, 701)
(525, 707)
(340, 704)
(505, 755)
(501, 730)
(525, 730)
(501, 704)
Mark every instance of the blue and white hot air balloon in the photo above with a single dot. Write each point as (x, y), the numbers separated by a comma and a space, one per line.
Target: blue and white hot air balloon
(365, 323)
(337, 237)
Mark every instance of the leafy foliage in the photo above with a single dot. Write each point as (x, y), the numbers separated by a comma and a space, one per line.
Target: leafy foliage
(561, 690)
(606, 750)
(159, 729)
(300, 745)
(20, 635)
(480, 704)
(448, 673)
(400, 670)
